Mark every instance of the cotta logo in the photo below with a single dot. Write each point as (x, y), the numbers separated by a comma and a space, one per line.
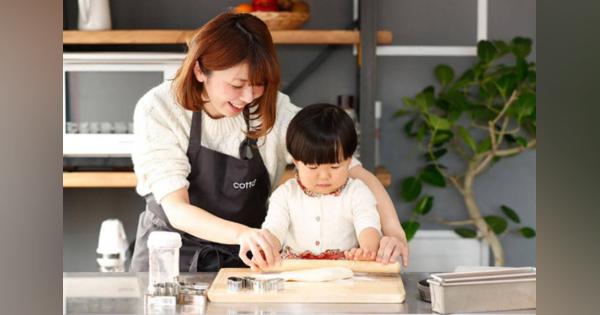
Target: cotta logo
(245, 185)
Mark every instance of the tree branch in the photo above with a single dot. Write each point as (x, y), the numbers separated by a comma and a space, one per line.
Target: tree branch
(453, 222)
(506, 152)
(510, 101)
(457, 223)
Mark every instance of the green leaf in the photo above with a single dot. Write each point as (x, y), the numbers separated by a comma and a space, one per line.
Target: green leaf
(481, 113)
(466, 136)
(409, 102)
(521, 69)
(496, 223)
(465, 80)
(524, 106)
(531, 76)
(506, 84)
(438, 122)
(521, 46)
(511, 214)
(410, 189)
(484, 145)
(408, 128)
(444, 74)
(486, 51)
(401, 112)
(442, 104)
(436, 154)
(457, 104)
(465, 232)
(425, 99)
(488, 90)
(527, 232)
(521, 141)
(421, 132)
(441, 137)
(410, 228)
(503, 47)
(432, 176)
(424, 205)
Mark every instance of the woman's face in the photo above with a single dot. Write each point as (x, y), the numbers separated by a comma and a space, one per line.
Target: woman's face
(228, 91)
(323, 178)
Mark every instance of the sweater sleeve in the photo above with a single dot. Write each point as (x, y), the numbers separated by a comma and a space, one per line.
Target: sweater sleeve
(159, 157)
(278, 215)
(364, 207)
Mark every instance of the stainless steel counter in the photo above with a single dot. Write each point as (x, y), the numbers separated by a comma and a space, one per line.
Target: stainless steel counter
(122, 293)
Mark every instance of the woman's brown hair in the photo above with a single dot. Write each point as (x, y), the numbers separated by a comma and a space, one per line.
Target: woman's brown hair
(226, 41)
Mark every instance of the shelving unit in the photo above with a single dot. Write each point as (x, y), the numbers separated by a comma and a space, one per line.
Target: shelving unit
(127, 179)
(296, 37)
(368, 36)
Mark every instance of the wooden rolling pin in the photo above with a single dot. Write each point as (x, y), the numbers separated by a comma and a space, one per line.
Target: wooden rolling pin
(355, 265)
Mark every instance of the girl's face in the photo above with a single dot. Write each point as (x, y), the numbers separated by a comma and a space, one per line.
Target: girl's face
(323, 178)
(228, 91)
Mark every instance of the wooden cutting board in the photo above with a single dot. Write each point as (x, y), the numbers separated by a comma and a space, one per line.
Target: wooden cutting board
(362, 288)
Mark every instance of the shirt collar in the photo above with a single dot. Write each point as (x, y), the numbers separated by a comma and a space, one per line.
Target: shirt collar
(311, 193)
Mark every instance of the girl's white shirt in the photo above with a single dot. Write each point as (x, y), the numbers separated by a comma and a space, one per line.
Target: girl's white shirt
(320, 223)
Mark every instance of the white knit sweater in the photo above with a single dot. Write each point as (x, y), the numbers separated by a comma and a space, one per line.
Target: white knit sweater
(162, 129)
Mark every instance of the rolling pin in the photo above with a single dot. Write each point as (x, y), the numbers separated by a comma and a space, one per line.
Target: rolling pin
(355, 265)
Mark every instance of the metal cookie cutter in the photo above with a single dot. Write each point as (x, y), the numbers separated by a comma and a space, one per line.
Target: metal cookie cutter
(192, 293)
(260, 285)
(249, 283)
(235, 284)
(276, 284)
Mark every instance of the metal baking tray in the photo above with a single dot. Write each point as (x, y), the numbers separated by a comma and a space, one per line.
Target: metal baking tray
(483, 291)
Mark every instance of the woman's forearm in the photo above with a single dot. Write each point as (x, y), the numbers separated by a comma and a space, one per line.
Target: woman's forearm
(199, 222)
(390, 224)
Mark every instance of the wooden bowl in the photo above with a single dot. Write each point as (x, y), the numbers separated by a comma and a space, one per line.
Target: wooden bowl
(282, 20)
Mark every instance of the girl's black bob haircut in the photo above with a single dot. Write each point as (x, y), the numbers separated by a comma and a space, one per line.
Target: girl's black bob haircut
(321, 134)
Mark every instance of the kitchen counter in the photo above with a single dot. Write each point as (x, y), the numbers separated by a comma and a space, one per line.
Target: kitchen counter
(123, 293)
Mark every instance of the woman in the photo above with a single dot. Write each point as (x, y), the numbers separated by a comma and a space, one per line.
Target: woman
(209, 146)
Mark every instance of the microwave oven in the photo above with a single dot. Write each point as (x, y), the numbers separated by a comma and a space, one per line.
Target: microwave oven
(100, 91)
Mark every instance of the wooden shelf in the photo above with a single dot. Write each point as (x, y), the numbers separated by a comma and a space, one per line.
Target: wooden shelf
(301, 37)
(98, 179)
(127, 179)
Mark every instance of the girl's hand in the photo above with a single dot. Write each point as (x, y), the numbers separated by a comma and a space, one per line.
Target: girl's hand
(360, 254)
(261, 244)
(390, 248)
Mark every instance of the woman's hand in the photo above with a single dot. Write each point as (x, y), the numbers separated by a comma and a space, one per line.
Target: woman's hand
(390, 248)
(263, 247)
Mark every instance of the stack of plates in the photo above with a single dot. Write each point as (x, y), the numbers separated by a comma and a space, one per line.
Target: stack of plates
(481, 291)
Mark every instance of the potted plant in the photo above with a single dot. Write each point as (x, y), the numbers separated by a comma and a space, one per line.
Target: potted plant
(483, 116)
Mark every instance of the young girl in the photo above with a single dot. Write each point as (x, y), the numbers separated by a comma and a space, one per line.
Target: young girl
(323, 208)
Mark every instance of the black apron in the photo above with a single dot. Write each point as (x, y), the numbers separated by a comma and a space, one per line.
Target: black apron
(230, 188)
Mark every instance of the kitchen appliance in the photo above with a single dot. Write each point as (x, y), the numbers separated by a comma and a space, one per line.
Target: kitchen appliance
(100, 91)
(112, 246)
(93, 15)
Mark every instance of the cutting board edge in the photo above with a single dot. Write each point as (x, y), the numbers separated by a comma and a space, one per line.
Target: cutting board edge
(219, 299)
(219, 296)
